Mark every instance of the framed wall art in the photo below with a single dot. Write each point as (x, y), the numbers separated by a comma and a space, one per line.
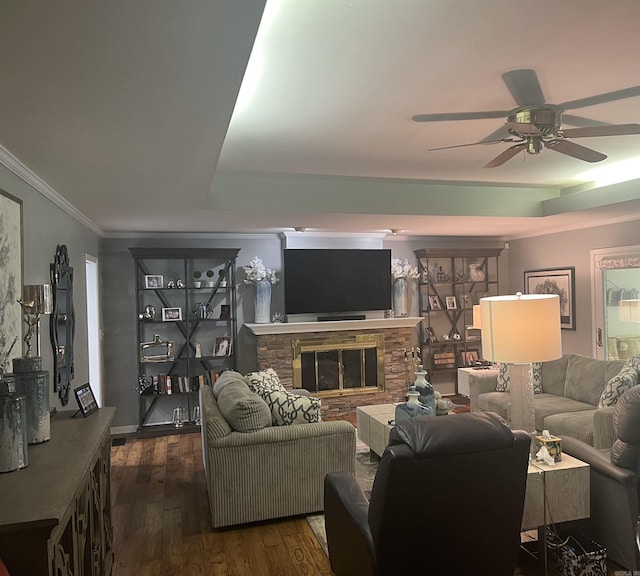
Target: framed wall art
(560, 281)
(10, 279)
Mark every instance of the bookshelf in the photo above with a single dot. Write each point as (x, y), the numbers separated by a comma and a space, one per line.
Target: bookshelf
(186, 328)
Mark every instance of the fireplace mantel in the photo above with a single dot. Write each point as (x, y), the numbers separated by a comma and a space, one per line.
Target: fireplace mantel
(332, 326)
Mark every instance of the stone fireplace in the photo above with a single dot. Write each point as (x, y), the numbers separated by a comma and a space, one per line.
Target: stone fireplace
(345, 363)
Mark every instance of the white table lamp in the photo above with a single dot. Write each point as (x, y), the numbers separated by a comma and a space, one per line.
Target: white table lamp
(519, 330)
(629, 310)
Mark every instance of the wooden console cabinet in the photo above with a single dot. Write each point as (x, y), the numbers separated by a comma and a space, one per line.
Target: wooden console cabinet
(55, 514)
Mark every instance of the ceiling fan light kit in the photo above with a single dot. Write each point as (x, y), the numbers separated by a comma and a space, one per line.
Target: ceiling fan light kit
(535, 124)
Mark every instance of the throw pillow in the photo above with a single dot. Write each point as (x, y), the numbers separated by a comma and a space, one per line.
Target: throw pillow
(502, 383)
(619, 384)
(287, 408)
(243, 410)
(227, 377)
(264, 380)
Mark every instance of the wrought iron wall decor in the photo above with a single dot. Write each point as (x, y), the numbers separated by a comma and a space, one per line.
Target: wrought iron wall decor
(62, 323)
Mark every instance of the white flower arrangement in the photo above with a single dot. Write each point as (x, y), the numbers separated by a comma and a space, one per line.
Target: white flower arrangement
(400, 269)
(257, 271)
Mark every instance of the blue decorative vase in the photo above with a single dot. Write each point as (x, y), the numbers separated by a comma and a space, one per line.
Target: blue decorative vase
(400, 297)
(13, 427)
(425, 390)
(262, 302)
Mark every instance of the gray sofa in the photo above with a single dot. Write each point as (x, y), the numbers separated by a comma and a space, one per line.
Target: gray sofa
(572, 386)
(272, 472)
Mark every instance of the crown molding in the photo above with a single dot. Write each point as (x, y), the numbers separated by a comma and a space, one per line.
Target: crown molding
(38, 184)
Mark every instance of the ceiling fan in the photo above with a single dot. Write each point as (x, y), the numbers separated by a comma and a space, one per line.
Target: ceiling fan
(535, 125)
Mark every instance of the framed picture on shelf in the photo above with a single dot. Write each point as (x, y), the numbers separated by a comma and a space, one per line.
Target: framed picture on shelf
(558, 281)
(434, 303)
(430, 334)
(465, 300)
(469, 358)
(451, 302)
(171, 314)
(223, 346)
(225, 311)
(153, 281)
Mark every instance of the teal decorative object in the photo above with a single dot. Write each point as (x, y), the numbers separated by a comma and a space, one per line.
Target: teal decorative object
(425, 389)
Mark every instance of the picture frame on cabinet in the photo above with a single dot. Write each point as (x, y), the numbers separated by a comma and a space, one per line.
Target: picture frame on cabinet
(172, 314)
(152, 281)
(465, 301)
(225, 311)
(223, 346)
(434, 303)
(86, 400)
(451, 302)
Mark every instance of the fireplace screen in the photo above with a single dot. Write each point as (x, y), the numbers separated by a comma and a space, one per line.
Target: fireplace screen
(333, 366)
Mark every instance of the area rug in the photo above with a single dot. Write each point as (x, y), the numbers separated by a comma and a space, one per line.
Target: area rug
(366, 467)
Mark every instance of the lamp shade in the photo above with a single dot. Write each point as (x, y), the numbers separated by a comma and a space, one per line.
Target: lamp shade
(38, 298)
(477, 317)
(629, 310)
(521, 328)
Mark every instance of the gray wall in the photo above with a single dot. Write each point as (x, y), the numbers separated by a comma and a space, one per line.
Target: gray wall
(118, 296)
(44, 227)
(570, 249)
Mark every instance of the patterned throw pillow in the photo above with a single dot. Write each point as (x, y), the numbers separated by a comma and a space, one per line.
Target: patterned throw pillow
(287, 408)
(502, 383)
(619, 384)
(264, 380)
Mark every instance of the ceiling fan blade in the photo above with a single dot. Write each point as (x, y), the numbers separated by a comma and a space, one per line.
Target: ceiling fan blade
(601, 98)
(612, 130)
(572, 149)
(581, 122)
(500, 134)
(474, 144)
(524, 87)
(460, 116)
(509, 153)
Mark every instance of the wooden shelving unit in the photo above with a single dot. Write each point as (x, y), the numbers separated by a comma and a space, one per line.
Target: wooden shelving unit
(195, 328)
(451, 282)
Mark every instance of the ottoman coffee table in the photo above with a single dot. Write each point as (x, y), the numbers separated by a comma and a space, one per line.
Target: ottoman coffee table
(373, 425)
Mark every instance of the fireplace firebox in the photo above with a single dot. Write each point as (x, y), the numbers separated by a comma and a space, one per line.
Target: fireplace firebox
(334, 366)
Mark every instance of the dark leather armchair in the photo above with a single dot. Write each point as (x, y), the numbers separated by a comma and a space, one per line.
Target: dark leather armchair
(614, 484)
(447, 499)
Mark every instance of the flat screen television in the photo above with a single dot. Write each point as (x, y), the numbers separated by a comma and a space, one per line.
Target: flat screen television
(331, 281)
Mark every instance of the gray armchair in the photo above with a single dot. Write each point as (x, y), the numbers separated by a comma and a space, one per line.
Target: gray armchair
(614, 484)
(447, 499)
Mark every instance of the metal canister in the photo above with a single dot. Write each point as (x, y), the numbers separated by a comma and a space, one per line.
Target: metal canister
(13, 426)
(32, 382)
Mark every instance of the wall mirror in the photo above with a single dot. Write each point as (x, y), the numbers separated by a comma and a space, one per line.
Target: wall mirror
(62, 324)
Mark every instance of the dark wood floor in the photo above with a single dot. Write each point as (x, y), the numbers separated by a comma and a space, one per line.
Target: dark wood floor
(162, 527)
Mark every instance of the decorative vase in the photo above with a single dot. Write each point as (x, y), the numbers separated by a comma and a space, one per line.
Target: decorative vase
(426, 393)
(13, 427)
(262, 301)
(32, 382)
(400, 297)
